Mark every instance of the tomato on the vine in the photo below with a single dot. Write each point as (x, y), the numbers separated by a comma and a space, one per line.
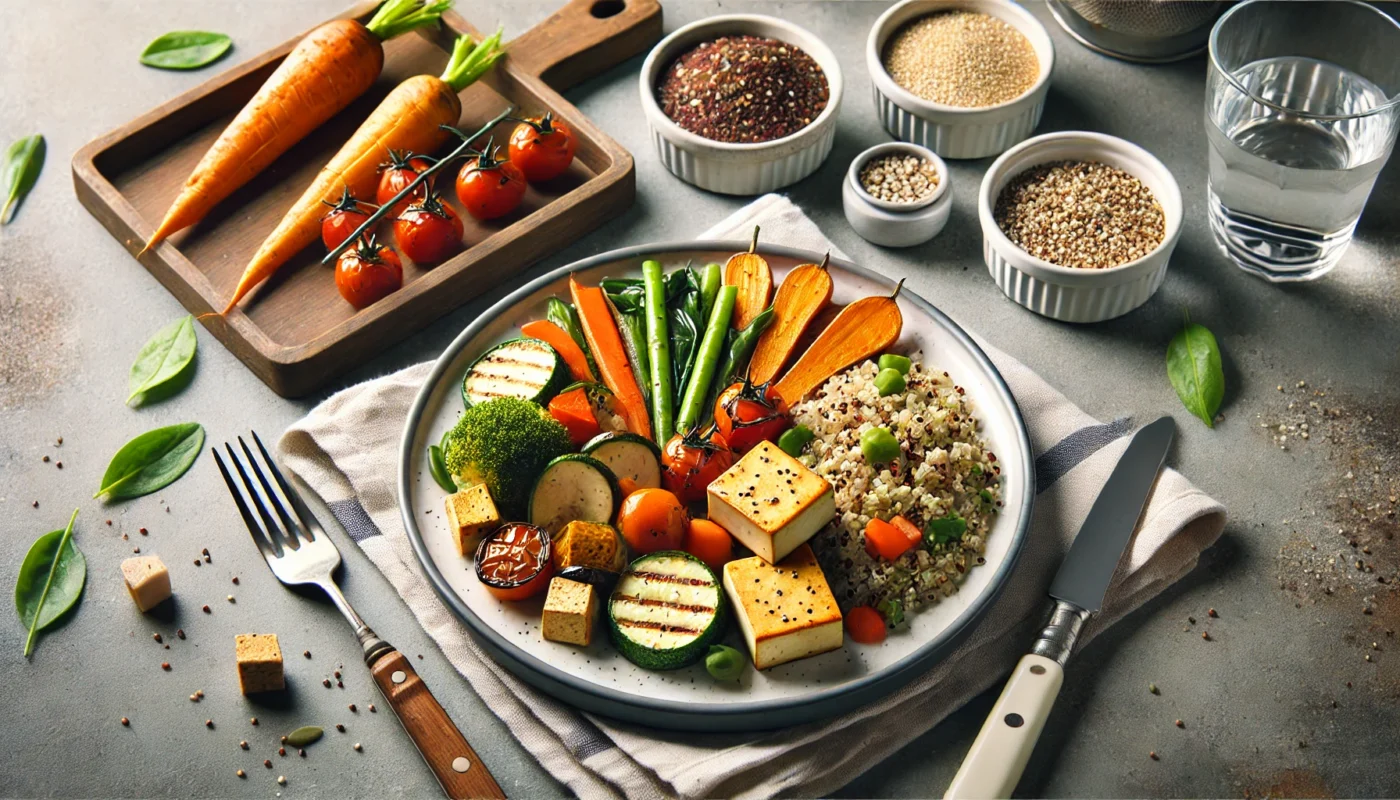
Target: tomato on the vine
(543, 147)
(396, 174)
(368, 272)
(746, 415)
(692, 461)
(489, 186)
(428, 231)
(344, 218)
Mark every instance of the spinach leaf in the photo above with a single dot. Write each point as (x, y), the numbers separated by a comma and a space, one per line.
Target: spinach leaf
(685, 337)
(23, 163)
(185, 50)
(50, 581)
(1193, 365)
(164, 356)
(152, 461)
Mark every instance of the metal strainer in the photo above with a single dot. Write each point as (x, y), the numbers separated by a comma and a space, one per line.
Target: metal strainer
(1152, 31)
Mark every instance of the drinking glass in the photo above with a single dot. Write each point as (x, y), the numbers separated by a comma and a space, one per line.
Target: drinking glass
(1302, 107)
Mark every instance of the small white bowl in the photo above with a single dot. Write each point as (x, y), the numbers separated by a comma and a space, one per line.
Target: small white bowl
(731, 168)
(953, 131)
(896, 224)
(1071, 294)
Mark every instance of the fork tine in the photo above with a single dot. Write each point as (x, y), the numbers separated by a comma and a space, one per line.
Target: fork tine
(278, 503)
(274, 532)
(256, 531)
(294, 500)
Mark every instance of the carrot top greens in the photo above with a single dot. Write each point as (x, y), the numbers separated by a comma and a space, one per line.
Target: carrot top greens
(471, 60)
(401, 16)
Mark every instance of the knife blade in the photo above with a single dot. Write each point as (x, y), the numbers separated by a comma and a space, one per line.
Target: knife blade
(994, 764)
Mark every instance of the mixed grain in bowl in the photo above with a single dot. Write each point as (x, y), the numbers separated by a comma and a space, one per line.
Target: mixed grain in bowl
(945, 482)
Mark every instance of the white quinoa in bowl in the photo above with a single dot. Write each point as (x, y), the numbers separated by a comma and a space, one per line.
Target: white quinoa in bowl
(944, 467)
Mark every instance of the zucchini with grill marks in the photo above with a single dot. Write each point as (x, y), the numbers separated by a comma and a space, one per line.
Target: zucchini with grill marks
(525, 368)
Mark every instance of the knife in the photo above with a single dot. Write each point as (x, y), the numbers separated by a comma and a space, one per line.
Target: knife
(998, 756)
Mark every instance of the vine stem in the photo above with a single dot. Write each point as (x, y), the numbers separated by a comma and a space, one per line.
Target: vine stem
(422, 178)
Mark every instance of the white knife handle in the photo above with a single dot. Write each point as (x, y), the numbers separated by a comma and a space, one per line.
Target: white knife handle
(998, 757)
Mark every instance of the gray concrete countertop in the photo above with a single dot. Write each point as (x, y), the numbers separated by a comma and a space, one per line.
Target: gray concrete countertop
(1289, 696)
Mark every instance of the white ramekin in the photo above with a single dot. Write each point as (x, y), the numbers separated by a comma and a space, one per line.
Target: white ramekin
(951, 131)
(1066, 293)
(742, 169)
(896, 224)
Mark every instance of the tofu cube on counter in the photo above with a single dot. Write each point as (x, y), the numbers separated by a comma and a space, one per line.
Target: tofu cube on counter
(147, 580)
(259, 663)
(785, 610)
(471, 514)
(569, 611)
(770, 502)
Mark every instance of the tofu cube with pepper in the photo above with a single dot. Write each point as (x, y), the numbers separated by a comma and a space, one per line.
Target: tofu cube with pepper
(259, 663)
(785, 610)
(147, 580)
(569, 611)
(770, 502)
(471, 514)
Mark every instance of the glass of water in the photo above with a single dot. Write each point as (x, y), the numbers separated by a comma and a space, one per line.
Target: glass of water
(1302, 107)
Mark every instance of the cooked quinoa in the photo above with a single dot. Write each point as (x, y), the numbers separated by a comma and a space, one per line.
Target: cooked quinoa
(944, 466)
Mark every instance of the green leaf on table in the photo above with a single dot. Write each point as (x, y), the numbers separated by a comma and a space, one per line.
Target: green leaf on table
(1193, 365)
(164, 357)
(23, 163)
(185, 50)
(305, 735)
(152, 461)
(50, 581)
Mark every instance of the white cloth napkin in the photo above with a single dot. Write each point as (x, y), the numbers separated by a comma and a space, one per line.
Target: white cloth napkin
(346, 450)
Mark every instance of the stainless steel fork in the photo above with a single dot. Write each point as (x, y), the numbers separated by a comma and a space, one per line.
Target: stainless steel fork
(298, 550)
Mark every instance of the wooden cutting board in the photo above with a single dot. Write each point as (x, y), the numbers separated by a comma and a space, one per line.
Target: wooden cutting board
(295, 331)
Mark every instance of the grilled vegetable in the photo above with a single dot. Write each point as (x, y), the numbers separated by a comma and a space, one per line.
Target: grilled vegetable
(573, 487)
(590, 544)
(666, 611)
(514, 562)
(525, 368)
(629, 456)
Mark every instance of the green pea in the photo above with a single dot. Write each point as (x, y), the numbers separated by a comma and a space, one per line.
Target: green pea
(795, 440)
(879, 446)
(895, 362)
(888, 382)
(724, 663)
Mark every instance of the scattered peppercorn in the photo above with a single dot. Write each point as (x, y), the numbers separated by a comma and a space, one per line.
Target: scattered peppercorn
(340, 727)
(230, 598)
(196, 562)
(371, 708)
(1180, 724)
(281, 751)
(1191, 620)
(301, 752)
(46, 459)
(109, 523)
(352, 708)
(254, 720)
(267, 762)
(142, 531)
(59, 464)
(1212, 613)
(205, 609)
(242, 774)
(1152, 687)
(357, 747)
(1153, 755)
(126, 722)
(235, 580)
(326, 682)
(165, 665)
(306, 653)
(180, 632)
(1205, 635)
(283, 740)
(243, 744)
(156, 636)
(208, 723)
(282, 780)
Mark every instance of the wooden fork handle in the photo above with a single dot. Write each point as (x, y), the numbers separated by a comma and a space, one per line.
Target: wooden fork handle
(452, 760)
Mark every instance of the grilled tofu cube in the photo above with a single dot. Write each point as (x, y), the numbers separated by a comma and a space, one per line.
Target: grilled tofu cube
(259, 662)
(770, 502)
(569, 611)
(147, 580)
(786, 611)
(471, 514)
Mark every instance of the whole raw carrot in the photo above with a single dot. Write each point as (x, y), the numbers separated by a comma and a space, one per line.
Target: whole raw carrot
(409, 118)
(329, 68)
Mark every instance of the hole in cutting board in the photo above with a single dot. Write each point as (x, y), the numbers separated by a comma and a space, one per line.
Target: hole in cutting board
(607, 8)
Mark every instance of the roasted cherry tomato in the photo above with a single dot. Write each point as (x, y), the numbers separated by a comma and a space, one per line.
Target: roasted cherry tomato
(652, 520)
(542, 147)
(343, 219)
(746, 415)
(865, 625)
(396, 174)
(514, 561)
(368, 272)
(428, 231)
(691, 461)
(490, 187)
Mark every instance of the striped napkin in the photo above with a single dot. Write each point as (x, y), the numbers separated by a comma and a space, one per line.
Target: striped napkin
(346, 450)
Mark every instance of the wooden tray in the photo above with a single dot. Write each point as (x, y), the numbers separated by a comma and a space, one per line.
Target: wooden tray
(295, 332)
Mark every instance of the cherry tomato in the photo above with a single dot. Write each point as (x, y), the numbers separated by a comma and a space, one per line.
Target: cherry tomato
(368, 272)
(865, 625)
(342, 220)
(428, 231)
(396, 174)
(652, 520)
(514, 561)
(710, 543)
(691, 461)
(746, 415)
(490, 187)
(543, 147)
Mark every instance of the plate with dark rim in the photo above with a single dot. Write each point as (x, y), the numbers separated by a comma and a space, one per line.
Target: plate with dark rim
(598, 679)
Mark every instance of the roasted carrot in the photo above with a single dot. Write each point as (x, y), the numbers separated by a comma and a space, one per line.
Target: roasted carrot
(606, 344)
(802, 295)
(862, 329)
(563, 344)
(330, 67)
(409, 118)
(751, 273)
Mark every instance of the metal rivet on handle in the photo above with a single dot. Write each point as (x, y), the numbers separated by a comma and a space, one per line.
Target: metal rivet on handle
(1014, 720)
(399, 677)
(461, 764)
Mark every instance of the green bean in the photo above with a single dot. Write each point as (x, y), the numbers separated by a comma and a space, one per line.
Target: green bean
(706, 359)
(659, 351)
(564, 315)
(741, 349)
(724, 663)
(879, 446)
(437, 467)
(634, 341)
(889, 381)
(794, 440)
(710, 281)
(896, 362)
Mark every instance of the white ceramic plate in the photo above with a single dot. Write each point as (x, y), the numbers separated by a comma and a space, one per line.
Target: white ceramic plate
(596, 678)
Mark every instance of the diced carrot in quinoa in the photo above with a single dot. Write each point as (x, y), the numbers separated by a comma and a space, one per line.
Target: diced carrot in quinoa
(883, 540)
(909, 529)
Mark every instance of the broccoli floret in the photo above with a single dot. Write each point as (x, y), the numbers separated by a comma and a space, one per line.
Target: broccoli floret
(505, 443)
